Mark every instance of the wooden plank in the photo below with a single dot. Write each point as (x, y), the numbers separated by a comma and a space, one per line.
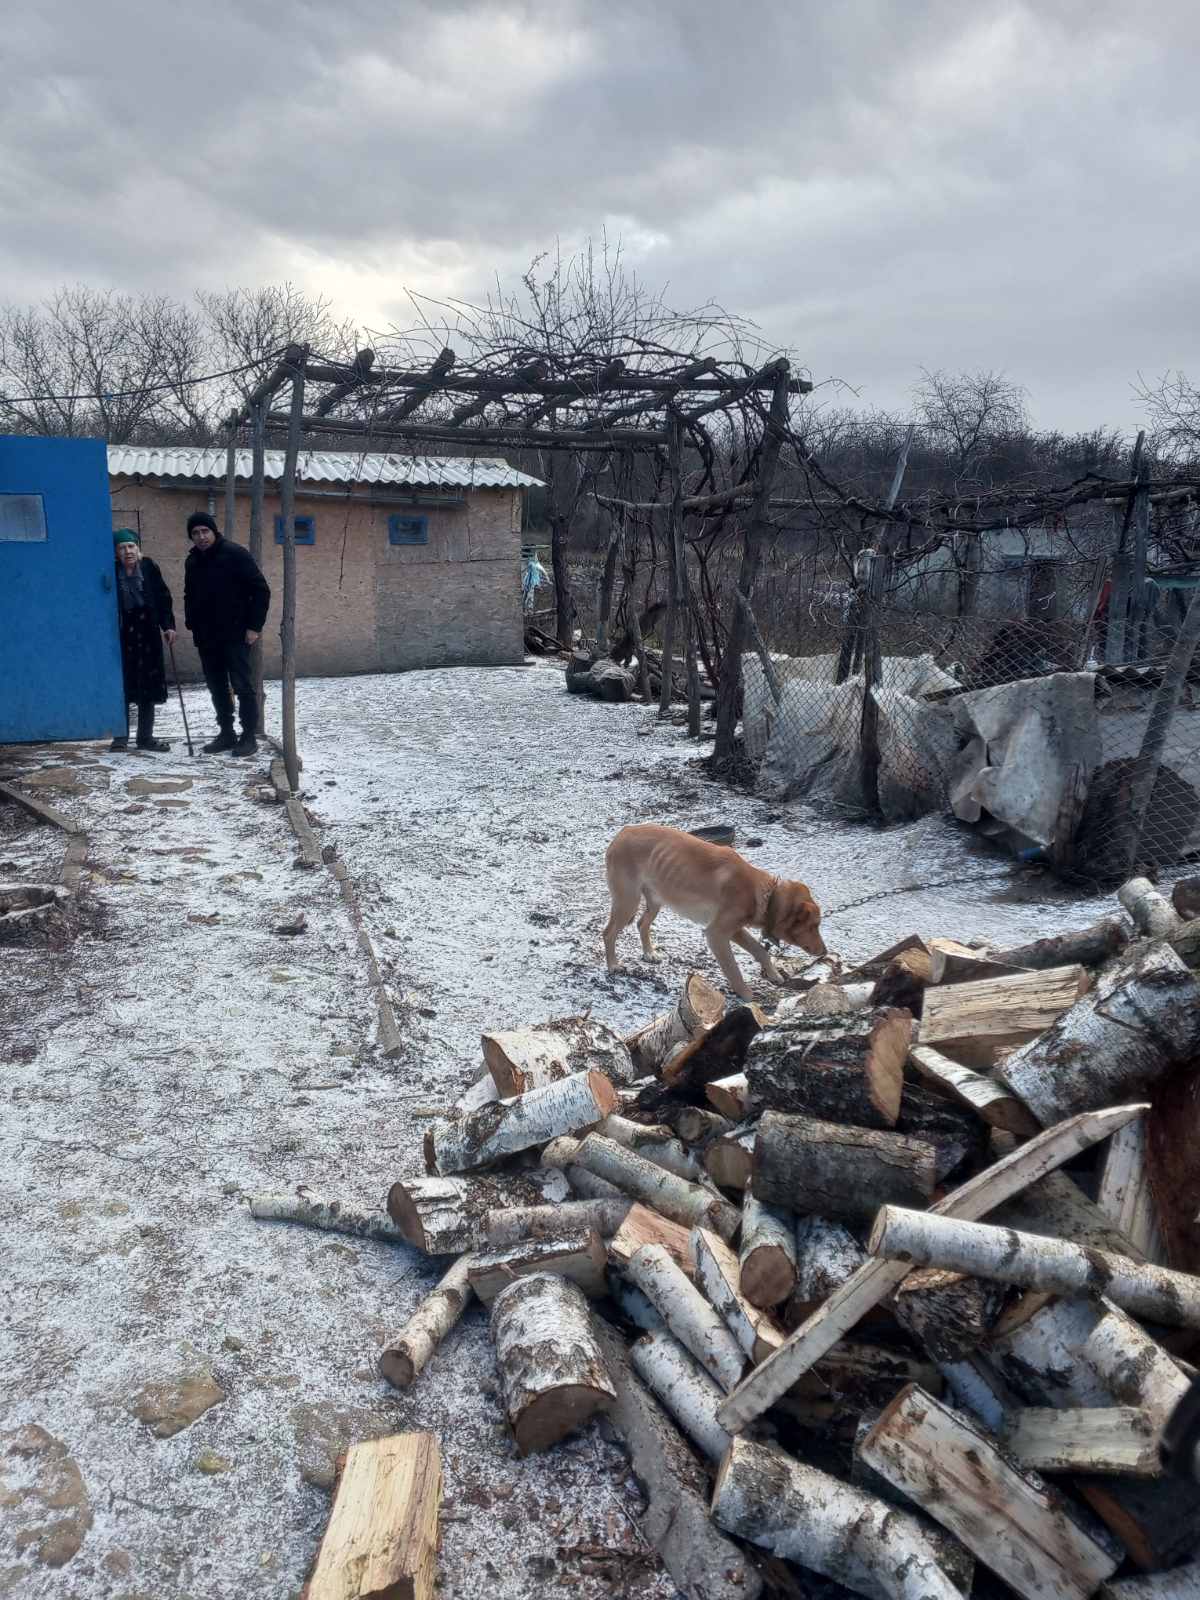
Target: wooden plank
(38, 809)
(1118, 1439)
(991, 1101)
(383, 1530)
(1125, 1193)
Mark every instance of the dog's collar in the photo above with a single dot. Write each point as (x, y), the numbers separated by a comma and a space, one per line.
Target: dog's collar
(766, 921)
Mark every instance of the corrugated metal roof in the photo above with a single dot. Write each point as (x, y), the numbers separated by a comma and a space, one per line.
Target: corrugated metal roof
(321, 466)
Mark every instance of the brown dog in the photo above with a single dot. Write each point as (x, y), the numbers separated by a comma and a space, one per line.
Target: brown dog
(709, 884)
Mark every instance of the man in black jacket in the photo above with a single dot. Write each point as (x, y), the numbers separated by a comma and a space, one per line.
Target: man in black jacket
(225, 603)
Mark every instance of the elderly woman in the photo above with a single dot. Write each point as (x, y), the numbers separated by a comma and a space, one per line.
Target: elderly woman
(146, 618)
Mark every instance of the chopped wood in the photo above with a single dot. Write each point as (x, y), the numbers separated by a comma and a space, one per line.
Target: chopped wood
(903, 982)
(876, 1279)
(1173, 1138)
(552, 1374)
(696, 1127)
(728, 1095)
(588, 1186)
(632, 1303)
(444, 1216)
(702, 1562)
(1057, 1208)
(850, 1070)
(874, 967)
(951, 962)
(1152, 913)
(481, 1093)
(833, 1171)
(685, 1389)
(1125, 1193)
(579, 1256)
(1157, 1520)
(700, 1006)
(510, 1224)
(822, 1000)
(382, 1536)
(950, 1314)
(978, 1022)
(718, 1275)
(1017, 1525)
(644, 1226)
(767, 1254)
(403, 1360)
(331, 1215)
(560, 1152)
(833, 1528)
(989, 1100)
(729, 1160)
(687, 1313)
(656, 1143)
(1108, 1439)
(859, 1374)
(827, 1254)
(528, 1058)
(716, 1052)
(1087, 947)
(955, 1134)
(676, 1198)
(569, 1106)
(1141, 1019)
(955, 1560)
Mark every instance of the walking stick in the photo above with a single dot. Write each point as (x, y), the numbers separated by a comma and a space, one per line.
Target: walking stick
(186, 733)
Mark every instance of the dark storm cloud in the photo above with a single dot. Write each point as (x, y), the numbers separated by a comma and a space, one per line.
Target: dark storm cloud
(881, 185)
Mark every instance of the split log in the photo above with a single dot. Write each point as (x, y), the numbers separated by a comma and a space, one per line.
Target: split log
(832, 1171)
(644, 1226)
(444, 1216)
(729, 1160)
(728, 1096)
(1057, 1265)
(1125, 1193)
(989, 1100)
(903, 982)
(718, 1276)
(875, 966)
(677, 1199)
(1180, 1583)
(851, 1071)
(579, 1257)
(948, 1313)
(332, 1216)
(715, 1053)
(1087, 947)
(687, 1313)
(955, 1560)
(655, 1143)
(1152, 913)
(767, 1256)
(1017, 1525)
(552, 1374)
(702, 1562)
(522, 1059)
(511, 1224)
(685, 1389)
(1142, 1018)
(1157, 1520)
(699, 1007)
(1057, 1208)
(507, 1127)
(1173, 1138)
(876, 1279)
(951, 962)
(978, 1022)
(696, 1127)
(402, 1362)
(1106, 1439)
(839, 1531)
(382, 1537)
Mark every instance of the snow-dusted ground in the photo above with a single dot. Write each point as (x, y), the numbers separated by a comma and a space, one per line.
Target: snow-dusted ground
(180, 1055)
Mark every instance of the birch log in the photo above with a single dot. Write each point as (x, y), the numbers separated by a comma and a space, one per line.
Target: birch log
(685, 1389)
(444, 1216)
(579, 1257)
(700, 1006)
(402, 1362)
(696, 1126)
(511, 1224)
(718, 1276)
(481, 1093)
(949, 1314)
(974, 1385)
(507, 1127)
(382, 1537)
(552, 1374)
(1057, 1265)
(989, 1100)
(850, 1070)
(331, 1215)
(876, 1279)
(827, 1255)
(702, 1562)
(1141, 1019)
(687, 1313)
(951, 962)
(767, 1255)
(714, 1053)
(1152, 913)
(1104, 1439)
(1015, 1524)
(644, 1226)
(841, 1532)
(832, 1171)
(522, 1059)
(654, 1143)
(1125, 1194)
(677, 1199)
(1086, 947)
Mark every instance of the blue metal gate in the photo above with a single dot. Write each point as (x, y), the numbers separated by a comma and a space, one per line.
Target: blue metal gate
(60, 654)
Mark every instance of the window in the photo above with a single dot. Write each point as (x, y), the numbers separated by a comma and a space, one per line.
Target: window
(306, 530)
(22, 518)
(408, 530)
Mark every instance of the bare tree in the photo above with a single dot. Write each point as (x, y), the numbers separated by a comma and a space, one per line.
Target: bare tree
(1172, 403)
(968, 413)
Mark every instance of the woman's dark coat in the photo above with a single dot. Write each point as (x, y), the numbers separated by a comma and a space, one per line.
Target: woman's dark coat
(142, 627)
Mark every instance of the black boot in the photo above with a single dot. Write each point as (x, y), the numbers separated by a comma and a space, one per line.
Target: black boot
(145, 729)
(224, 741)
(247, 745)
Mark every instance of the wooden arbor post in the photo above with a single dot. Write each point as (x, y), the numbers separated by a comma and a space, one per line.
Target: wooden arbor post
(287, 625)
(258, 438)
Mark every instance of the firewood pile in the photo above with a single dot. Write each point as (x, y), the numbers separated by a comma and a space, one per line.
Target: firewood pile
(897, 1280)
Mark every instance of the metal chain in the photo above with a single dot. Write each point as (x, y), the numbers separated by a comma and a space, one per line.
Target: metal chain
(909, 888)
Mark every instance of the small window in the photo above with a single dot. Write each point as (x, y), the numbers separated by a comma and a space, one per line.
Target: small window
(306, 530)
(22, 518)
(408, 530)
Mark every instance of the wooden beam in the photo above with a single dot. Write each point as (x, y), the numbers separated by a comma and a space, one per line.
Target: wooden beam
(363, 361)
(287, 625)
(445, 433)
(612, 379)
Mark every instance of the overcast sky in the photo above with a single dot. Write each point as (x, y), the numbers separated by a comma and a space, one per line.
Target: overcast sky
(881, 184)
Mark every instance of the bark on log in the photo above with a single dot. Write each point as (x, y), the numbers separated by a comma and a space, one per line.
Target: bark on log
(1173, 1138)
(827, 1000)
(699, 1007)
(831, 1171)
(1105, 1439)
(1152, 913)
(728, 1096)
(951, 962)
(552, 1374)
(691, 1397)
(903, 982)
(560, 1152)
(632, 1303)
(1158, 1521)
(875, 966)
(1125, 1194)
(505, 1128)
(834, 1529)
(643, 1226)
(579, 1257)
(729, 1160)
(718, 1275)
(521, 1059)
(382, 1537)
(702, 1562)
(862, 1376)
(714, 1053)
(588, 1186)
(676, 1198)
(978, 1022)
(955, 1560)
(402, 1362)
(875, 1279)
(1141, 1019)
(1017, 1525)
(653, 1142)
(955, 1134)
(331, 1215)
(481, 1093)
(687, 1313)
(1180, 1583)
(1057, 1208)
(989, 1100)
(975, 1386)
(851, 1071)
(696, 1127)
(444, 1216)
(767, 1255)
(827, 1256)
(950, 1314)
(511, 1224)
(1087, 947)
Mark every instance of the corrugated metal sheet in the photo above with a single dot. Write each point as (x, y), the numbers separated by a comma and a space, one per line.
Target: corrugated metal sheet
(321, 466)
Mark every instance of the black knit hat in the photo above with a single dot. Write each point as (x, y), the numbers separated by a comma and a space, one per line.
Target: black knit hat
(202, 519)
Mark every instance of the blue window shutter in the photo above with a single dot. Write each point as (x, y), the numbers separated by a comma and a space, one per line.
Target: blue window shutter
(306, 530)
(408, 530)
